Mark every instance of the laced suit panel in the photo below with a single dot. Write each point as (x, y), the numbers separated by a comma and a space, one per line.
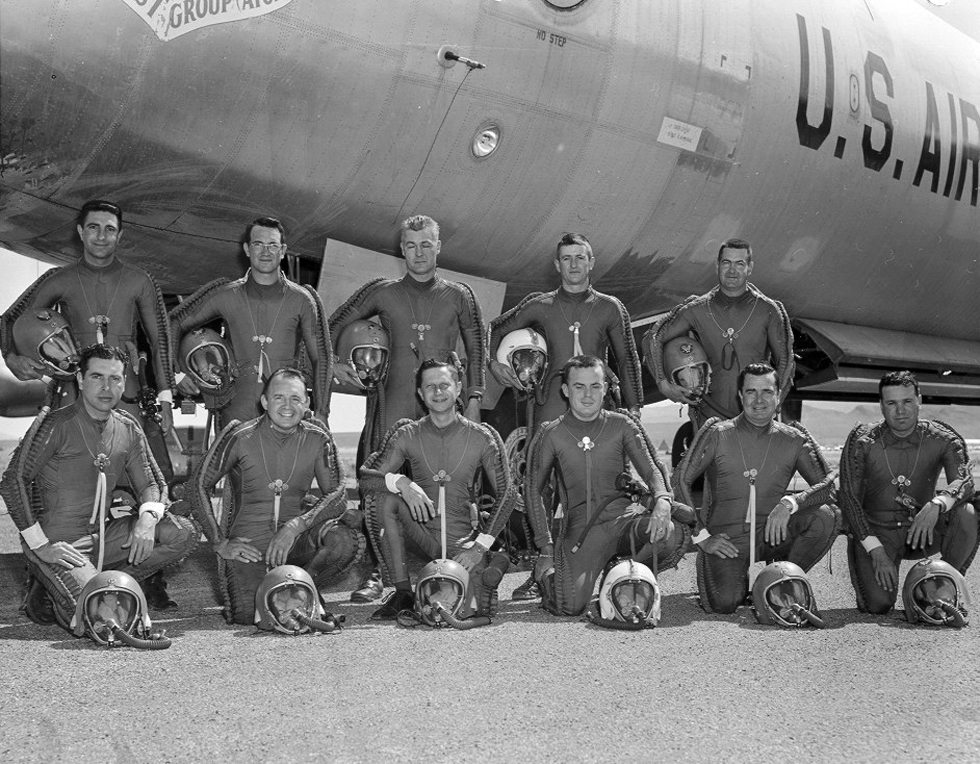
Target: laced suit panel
(261, 461)
(441, 312)
(121, 293)
(608, 444)
(461, 449)
(266, 324)
(724, 451)
(885, 481)
(604, 327)
(761, 333)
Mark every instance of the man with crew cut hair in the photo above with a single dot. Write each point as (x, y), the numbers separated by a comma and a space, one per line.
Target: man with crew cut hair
(587, 449)
(749, 463)
(893, 507)
(736, 325)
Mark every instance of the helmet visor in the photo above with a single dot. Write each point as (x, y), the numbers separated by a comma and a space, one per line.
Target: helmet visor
(931, 593)
(444, 591)
(118, 606)
(530, 365)
(781, 598)
(209, 365)
(370, 362)
(59, 350)
(693, 379)
(284, 602)
(633, 600)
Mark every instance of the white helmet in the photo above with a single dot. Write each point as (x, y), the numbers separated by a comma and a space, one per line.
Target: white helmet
(526, 352)
(629, 593)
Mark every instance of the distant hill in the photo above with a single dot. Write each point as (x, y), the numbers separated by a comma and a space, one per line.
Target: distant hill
(828, 423)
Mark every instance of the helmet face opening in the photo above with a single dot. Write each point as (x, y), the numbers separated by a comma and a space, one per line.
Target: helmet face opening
(287, 600)
(629, 593)
(59, 351)
(370, 362)
(931, 594)
(692, 379)
(446, 592)
(633, 600)
(781, 598)
(209, 365)
(118, 606)
(530, 365)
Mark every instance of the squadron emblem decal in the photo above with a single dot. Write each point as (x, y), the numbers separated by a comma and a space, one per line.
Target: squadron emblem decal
(170, 19)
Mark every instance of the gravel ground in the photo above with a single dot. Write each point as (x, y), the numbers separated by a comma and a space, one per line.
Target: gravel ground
(530, 687)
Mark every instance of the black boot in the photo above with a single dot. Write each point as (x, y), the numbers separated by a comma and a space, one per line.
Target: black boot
(155, 590)
(37, 604)
(370, 589)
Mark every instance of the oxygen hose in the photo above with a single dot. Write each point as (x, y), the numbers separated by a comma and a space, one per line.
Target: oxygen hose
(954, 616)
(458, 623)
(811, 618)
(638, 625)
(327, 627)
(611, 623)
(160, 643)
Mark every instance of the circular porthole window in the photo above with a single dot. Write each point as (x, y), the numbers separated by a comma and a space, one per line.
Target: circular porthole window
(486, 140)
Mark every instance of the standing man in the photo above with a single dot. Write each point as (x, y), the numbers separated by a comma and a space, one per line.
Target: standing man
(749, 462)
(445, 450)
(59, 484)
(892, 508)
(272, 462)
(267, 317)
(737, 325)
(102, 299)
(575, 320)
(424, 316)
(587, 448)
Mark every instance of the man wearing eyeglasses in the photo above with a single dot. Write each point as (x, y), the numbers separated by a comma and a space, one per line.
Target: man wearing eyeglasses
(424, 316)
(267, 319)
(736, 324)
(749, 462)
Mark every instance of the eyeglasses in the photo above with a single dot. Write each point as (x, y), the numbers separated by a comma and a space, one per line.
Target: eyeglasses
(258, 246)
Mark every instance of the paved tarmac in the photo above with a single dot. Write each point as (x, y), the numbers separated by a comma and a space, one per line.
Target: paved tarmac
(528, 688)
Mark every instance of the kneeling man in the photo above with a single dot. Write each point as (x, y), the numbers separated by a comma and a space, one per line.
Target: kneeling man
(271, 462)
(445, 452)
(587, 448)
(59, 485)
(749, 462)
(892, 508)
